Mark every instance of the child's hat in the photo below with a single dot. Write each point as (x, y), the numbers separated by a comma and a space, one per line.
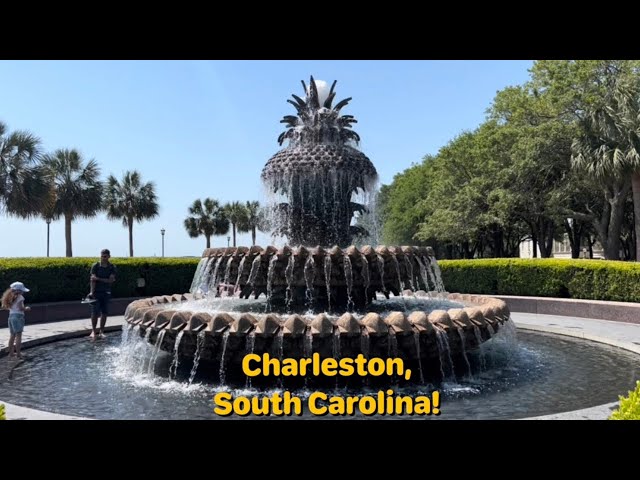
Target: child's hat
(19, 286)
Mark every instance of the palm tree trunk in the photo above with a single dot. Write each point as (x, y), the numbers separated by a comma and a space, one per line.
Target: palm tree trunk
(234, 234)
(253, 236)
(130, 222)
(208, 241)
(67, 234)
(635, 188)
(48, 225)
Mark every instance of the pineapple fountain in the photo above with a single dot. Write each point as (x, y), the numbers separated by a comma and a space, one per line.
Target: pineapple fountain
(318, 294)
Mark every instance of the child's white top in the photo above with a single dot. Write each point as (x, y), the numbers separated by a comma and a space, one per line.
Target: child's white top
(18, 305)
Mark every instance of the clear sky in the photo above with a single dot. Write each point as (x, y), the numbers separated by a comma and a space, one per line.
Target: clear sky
(206, 128)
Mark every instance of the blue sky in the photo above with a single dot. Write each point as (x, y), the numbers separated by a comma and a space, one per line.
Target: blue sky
(206, 128)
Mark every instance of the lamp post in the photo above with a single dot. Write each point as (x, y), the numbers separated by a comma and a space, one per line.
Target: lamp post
(228, 240)
(48, 224)
(162, 232)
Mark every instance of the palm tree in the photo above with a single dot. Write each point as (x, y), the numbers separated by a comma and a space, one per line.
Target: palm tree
(130, 200)
(237, 215)
(208, 218)
(78, 189)
(610, 153)
(23, 186)
(255, 219)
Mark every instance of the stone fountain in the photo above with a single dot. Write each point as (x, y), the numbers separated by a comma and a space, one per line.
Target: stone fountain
(319, 294)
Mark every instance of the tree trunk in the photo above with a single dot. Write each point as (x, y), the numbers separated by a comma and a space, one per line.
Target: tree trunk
(253, 236)
(67, 234)
(234, 233)
(635, 188)
(534, 241)
(130, 222)
(48, 225)
(208, 241)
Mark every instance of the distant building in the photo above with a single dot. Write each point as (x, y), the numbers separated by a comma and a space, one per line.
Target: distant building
(560, 249)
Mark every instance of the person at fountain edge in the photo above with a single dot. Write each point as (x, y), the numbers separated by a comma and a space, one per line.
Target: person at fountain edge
(13, 300)
(103, 274)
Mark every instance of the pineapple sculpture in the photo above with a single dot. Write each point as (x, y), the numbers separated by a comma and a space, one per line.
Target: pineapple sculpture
(319, 170)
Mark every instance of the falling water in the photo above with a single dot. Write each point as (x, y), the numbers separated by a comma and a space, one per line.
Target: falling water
(223, 365)
(464, 350)
(154, 357)
(392, 351)
(348, 277)
(416, 340)
(365, 275)
(424, 275)
(409, 268)
(381, 268)
(240, 270)
(364, 342)
(249, 346)
(255, 268)
(483, 360)
(213, 281)
(431, 274)
(396, 264)
(443, 346)
(491, 331)
(288, 273)
(197, 277)
(173, 368)
(196, 358)
(227, 272)
(140, 366)
(270, 272)
(278, 349)
(327, 277)
(308, 343)
(437, 273)
(309, 273)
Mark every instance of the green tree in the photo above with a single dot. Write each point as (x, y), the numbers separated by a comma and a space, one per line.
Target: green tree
(400, 199)
(78, 189)
(206, 218)
(130, 200)
(253, 220)
(590, 94)
(23, 185)
(237, 215)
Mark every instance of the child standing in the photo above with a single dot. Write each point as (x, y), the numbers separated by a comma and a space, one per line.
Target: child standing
(13, 300)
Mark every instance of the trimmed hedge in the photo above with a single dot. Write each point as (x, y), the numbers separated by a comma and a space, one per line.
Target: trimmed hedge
(584, 279)
(60, 279)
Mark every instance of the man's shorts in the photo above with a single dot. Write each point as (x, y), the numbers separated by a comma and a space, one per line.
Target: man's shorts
(101, 305)
(16, 323)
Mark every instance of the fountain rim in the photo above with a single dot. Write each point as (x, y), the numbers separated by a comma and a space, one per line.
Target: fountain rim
(478, 311)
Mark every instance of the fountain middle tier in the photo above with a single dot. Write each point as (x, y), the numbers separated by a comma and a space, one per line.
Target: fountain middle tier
(301, 279)
(428, 341)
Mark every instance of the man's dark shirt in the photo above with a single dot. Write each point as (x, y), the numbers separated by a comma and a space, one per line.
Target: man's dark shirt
(103, 272)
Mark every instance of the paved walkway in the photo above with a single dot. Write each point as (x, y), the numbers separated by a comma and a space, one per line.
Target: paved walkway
(623, 335)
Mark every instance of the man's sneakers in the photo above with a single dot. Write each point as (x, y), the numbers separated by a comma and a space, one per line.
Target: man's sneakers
(89, 299)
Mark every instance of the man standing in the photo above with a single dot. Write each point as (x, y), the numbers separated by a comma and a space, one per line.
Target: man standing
(103, 274)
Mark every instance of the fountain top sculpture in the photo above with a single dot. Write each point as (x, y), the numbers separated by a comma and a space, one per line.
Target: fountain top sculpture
(318, 172)
(323, 295)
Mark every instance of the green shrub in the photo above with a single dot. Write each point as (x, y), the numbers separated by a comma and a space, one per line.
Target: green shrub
(60, 279)
(585, 279)
(629, 408)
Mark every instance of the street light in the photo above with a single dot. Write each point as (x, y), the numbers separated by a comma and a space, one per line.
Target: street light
(48, 224)
(162, 232)
(228, 240)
